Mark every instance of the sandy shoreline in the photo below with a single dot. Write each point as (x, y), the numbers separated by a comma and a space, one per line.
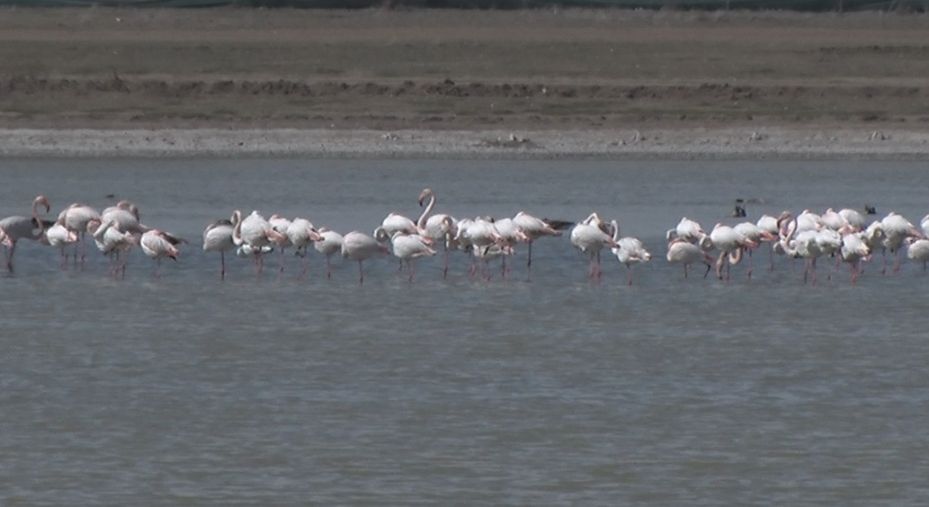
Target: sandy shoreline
(773, 143)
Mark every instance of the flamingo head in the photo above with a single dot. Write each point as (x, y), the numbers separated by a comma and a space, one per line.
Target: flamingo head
(41, 200)
(425, 194)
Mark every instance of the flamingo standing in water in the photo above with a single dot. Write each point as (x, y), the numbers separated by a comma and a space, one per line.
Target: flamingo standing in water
(534, 228)
(681, 251)
(730, 243)
(217, 237)
(58, 236)
(329, 243)
(918, 250)
(438, 227)
(408, 247)
(853, 251)
(112, 243)
(360, 247)
(590, 236)
(301, 232)
(75, 218)
(254, 234)
(896, 230)
(629, 251)
(510, 235)
(157, 244)
(19, 227)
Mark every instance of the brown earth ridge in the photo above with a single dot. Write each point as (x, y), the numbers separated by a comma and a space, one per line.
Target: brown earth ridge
(570, 72)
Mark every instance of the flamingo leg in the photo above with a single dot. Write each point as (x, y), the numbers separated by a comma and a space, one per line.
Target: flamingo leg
(445, 269)
(409, 266)
(628, 275)
(9, 257)
(222, 264)
(685, 270)
(328, 268)
(361, 274)
(771, 258)
(750, 263)
(529, 262)
(306, 264)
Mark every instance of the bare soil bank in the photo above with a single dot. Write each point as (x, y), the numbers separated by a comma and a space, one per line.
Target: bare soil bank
(526, 71)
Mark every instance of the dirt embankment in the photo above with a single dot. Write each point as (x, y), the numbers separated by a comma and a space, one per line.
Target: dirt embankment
(581, 70)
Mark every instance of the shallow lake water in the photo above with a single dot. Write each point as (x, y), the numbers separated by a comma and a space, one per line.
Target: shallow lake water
(274, 390)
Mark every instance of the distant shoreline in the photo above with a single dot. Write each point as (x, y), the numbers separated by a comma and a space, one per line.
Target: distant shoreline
(711, 143)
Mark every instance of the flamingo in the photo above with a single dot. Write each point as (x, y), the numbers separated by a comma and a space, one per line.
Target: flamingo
(688, 230)
(918, 250)
(589, 237)
(477, 234)
(437, 227)
(358, 246)
(510, 234)
(301, 232)
(19, 227)
(408, 247)
(58, 236)
(329, 243)
(217, 237)
(157, 244)
(534, 228)
(730, 243)
(852, 218)
(75, 218)
(772, 226)
(629, 251)
(281, 240)
(684, 252)
(896, 230)
(833, 220)
(803, 244)
(112, 243)
(125, 217)
(853, 251)
(756, 235)
(255, 232)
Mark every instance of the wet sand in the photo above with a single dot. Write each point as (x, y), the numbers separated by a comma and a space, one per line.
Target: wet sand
(771, 143)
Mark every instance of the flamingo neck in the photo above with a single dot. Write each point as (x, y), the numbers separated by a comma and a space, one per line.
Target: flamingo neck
(421, 223)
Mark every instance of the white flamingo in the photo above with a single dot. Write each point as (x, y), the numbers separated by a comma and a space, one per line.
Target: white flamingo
(918, 250)
(408, 247)
(510, 235)
(358, 246)
(329, 243)
(157, 245)
(853, 251)
(896, 230)
(75, 218)
(852, 218)
(730, 244)
(534, 228)
(301, 233)
(217, 237)
(439, 227)
(681, 251)
(125, 217)
(19, 227)
(590, 236)
(58, 236)
(255, 233)
(112, 243)
(628, 251)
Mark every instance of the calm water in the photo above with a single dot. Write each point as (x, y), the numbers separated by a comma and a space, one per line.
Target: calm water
(275, 391)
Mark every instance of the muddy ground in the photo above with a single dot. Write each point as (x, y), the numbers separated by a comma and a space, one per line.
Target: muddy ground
(460, 70)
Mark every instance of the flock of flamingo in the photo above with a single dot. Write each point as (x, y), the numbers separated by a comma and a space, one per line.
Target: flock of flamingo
(843, 235)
